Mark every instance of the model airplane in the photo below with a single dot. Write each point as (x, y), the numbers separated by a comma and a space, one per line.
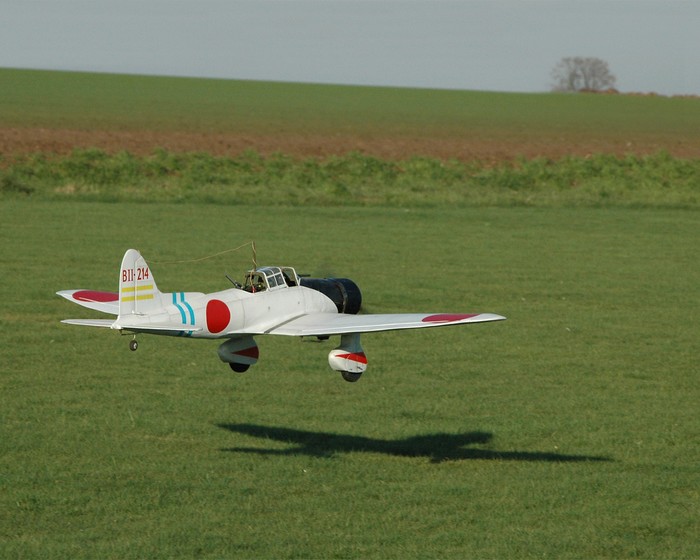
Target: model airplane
(272, 300)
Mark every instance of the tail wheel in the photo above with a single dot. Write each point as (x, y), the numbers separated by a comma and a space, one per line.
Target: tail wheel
(239, 368)
(133, 345)
(349, 376)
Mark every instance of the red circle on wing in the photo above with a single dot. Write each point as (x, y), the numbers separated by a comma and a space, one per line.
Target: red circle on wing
(218, 316)
(446, 317)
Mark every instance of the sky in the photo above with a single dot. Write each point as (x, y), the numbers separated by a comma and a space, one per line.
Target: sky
(494, 45)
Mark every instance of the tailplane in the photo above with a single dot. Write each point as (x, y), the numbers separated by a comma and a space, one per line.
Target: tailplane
(138, 293)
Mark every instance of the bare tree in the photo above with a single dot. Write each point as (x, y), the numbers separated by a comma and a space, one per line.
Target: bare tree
(580, 74)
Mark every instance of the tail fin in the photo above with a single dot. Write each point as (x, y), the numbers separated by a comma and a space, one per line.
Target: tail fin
(138, 293)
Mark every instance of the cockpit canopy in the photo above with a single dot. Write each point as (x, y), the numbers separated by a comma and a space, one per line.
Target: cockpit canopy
(270, 278)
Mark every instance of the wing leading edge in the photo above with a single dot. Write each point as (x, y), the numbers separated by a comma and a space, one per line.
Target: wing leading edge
(322, 324)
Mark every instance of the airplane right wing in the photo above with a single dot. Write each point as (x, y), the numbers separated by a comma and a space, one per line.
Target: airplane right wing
(324, 324)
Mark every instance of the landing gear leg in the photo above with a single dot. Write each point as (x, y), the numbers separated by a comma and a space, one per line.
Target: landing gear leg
(133, 344)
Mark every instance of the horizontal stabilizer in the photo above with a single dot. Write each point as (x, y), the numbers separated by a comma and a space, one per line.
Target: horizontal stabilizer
(106, 302)
(104, 323)
(156, 328)
(142, 328)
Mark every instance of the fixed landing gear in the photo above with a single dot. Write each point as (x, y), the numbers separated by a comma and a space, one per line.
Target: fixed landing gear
(133, 344)
(349, 358)
(239, 353)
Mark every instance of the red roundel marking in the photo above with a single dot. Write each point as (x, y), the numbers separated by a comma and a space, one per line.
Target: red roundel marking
(90, 295)
(218, 316)
(446, 317)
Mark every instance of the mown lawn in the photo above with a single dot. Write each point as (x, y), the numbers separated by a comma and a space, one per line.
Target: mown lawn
(567, 431)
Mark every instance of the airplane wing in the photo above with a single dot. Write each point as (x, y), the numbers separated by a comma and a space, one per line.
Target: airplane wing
(323, 324)
(106, 302)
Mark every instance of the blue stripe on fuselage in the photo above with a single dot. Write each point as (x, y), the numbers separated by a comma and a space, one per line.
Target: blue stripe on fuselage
(189, 308)
(180, 309)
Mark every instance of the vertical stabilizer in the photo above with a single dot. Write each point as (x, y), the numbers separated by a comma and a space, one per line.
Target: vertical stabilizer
(138, 293)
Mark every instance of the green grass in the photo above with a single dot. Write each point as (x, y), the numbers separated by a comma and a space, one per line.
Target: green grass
(354, 180)
(119, 102)
(568, 431)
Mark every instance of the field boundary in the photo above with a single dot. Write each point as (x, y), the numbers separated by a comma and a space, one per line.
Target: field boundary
(658, 181)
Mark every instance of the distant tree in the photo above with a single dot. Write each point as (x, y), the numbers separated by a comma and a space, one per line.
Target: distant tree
(580, 74)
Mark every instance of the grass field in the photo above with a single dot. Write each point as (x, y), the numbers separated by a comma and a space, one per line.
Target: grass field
(288, 115)
(90, 100)
(568, 431)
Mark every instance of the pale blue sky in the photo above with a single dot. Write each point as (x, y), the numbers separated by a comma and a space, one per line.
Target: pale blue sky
(502, 45)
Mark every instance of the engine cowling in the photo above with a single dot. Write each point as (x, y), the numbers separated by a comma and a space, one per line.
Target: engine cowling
(341, 291)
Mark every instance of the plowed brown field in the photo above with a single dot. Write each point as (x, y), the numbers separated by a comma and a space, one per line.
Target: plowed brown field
(14, 141)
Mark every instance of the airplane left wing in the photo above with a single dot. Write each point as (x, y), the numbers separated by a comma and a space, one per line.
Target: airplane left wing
(323, 324)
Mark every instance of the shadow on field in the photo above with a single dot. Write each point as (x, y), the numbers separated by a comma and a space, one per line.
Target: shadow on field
(436, 447)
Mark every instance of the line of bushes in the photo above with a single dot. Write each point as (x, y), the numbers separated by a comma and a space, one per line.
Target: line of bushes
(353, 180)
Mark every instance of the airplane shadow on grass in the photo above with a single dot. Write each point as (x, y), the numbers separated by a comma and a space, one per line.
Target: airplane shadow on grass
(436, 447)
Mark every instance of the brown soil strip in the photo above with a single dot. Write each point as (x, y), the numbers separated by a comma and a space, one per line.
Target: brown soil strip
(15, 141)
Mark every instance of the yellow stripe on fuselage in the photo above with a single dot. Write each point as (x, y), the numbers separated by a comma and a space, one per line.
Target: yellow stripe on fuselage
(133, 291)
(137, 288)
(138, 298)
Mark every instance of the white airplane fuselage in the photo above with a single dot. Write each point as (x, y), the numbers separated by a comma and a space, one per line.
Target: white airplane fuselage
(224, 314)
